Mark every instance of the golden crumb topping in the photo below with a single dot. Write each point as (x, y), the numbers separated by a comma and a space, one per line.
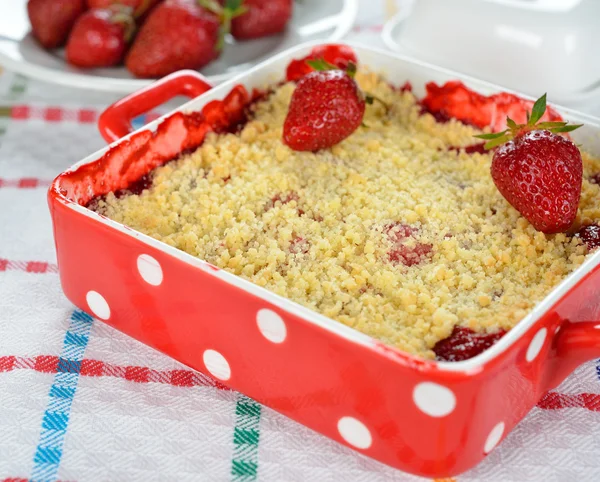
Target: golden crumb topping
(388, 232)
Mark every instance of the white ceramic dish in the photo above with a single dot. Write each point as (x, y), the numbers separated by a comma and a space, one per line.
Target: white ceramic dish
(534, 46)
(312, 19)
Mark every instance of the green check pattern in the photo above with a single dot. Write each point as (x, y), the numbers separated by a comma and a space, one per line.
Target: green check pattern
(246, 435)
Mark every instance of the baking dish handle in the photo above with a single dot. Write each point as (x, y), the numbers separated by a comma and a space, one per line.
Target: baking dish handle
(115, 122)
(575, 344)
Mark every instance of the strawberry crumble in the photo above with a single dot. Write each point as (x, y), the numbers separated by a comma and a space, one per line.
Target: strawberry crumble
(396, 231)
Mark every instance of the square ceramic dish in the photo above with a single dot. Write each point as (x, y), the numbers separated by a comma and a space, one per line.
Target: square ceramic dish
(426, 417)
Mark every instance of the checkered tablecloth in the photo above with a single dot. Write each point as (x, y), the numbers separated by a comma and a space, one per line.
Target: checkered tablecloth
(82, 402)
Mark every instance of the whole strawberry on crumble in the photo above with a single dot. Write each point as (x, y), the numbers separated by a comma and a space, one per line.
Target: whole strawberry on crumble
(394, 226)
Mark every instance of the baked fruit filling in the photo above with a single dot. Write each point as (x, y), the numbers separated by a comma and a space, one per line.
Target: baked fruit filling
(395, 228)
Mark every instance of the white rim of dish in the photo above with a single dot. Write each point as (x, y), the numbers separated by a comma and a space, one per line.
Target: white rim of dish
(346, 16)
(472, 365)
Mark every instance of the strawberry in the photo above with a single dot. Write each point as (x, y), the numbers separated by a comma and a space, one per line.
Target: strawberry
(52, 20)
(178, 34)
(538, 171)
(326, 107)
(261, 18)
(139, 6)
(334, 54)
(100, 37)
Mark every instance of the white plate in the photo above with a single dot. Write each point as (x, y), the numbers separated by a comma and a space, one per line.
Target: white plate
(313, 19)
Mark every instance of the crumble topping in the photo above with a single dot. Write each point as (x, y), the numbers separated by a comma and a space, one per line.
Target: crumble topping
(392, 232)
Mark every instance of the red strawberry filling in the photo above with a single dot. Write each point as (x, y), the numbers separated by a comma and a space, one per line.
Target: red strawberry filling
(455, 100)
(125, 165)
(471, 149)
(136, 187)
(397, 232)
(590, 235)
(282, 198)
(409, 254)
(299, 245)
(464, 343)
(406, 87)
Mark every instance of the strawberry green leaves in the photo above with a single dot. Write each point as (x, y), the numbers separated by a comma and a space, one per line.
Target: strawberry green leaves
(494, 139)
(565, 128)
(537, 110)
(322, 65)
(533, 118)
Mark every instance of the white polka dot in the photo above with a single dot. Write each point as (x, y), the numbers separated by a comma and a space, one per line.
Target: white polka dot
(150, 270)
(271, 325)
(597, 327)
(98, 305)
(217, 365)
(557, 329)
(536, 345)
(494, 438)
(433, 399)
(354, 432)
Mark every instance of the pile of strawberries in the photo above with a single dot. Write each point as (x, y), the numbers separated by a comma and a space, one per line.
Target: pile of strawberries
(153, 37)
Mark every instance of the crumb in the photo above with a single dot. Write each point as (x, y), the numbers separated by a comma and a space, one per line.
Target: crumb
(315, 227)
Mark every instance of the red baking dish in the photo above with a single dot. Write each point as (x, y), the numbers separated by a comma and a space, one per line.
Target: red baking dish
(425, 417)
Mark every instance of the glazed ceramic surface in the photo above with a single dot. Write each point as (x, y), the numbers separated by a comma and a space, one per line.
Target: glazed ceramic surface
(429, 418)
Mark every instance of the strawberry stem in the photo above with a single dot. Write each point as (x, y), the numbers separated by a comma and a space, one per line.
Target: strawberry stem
(212, 6)
(124, 15)
(226, 13)
(143, 8)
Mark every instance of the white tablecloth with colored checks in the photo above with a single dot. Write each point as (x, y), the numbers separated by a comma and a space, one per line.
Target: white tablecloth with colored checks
(82, 402)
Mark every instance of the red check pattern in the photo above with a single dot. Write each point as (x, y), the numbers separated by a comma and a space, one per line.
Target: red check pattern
(557, 401)
(190, 378)
(17, 479)
(24, 112)
(39, 267)
(53, 114)
(98, 368)
(24, 183)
